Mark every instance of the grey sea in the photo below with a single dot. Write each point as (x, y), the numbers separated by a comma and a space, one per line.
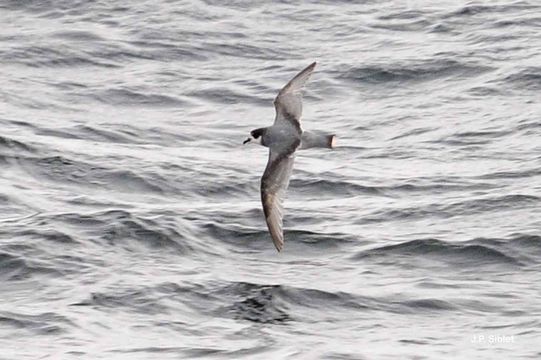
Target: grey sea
(130, 218)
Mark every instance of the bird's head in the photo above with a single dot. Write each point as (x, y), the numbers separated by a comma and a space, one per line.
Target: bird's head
(256, 134)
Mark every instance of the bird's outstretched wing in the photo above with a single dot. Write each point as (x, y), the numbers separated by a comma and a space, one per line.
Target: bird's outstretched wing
(288, 102)
(275, 180)
(274, 184)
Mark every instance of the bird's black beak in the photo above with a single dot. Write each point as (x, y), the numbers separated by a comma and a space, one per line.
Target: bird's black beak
(246, 141)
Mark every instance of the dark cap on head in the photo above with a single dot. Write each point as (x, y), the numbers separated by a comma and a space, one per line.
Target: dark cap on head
(257, 133)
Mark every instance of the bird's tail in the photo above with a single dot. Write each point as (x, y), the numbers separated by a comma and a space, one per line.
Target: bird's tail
(311, 139)
(331, 141)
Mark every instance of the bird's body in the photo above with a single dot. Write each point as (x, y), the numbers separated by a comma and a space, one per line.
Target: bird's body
(283, 138)
(280, 136)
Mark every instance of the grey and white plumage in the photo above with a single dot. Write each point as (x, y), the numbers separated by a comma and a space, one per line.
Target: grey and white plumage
(283, 138)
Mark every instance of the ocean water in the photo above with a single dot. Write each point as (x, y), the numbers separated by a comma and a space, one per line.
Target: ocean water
(130, 216)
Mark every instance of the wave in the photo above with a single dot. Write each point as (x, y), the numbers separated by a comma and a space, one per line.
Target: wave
(48, 323)
(133, 97)
(17, 268)
(124, 229)
(427, 70)
(462, 208)
(425, 305)
(66, 170)
(280, 304)
(155, 48)
(77, 35)
(323, 187)
(144, 300)
(48, 57)
(524, 247)
(88, 133)
(530, 173)
(475, 9)
(468, 138)
(525, 79)
(413, 132)
(515, 251)
(50, 235)
(14, 146)
(276, 304)
(103, 54)
(227, 96)
(256, 303)
(411, 21)
(334, 188)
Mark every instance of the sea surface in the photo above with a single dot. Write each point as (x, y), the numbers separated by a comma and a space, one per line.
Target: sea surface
(130, 217)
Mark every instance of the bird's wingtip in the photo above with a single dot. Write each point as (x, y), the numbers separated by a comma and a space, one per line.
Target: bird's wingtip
(278, 243)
